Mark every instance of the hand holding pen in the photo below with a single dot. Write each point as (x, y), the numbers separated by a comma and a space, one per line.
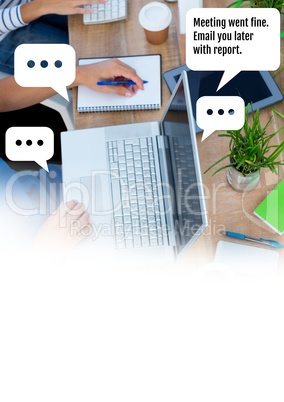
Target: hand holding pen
(109, 70)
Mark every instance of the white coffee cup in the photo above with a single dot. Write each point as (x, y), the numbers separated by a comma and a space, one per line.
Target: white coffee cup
(155, 18)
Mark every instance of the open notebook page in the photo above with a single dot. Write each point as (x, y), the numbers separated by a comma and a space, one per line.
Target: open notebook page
(148, 67)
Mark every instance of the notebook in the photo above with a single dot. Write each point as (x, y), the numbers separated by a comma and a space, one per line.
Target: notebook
(148, 67)
(246, 259)
(271, 209)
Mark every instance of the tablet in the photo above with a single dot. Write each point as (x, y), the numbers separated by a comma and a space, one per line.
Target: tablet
(256, 87)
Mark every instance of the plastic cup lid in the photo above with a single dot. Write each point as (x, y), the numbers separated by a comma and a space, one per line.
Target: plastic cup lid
(155, 16)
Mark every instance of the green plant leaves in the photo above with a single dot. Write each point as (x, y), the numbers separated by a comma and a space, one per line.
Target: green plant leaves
(279, 4)
(250, 148)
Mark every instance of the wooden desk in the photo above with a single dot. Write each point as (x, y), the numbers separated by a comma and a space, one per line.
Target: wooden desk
(227, 209)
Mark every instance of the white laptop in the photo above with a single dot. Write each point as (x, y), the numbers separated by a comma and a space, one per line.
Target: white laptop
(141, 183)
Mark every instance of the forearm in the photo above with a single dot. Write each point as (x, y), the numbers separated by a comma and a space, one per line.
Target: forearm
(10, 19)
(13, 97)
(31, 11)
(38, 8)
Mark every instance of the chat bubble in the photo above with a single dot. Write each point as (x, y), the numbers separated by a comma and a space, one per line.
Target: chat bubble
(219, 113)
(30, 144)
(232, 40)
(45, 65)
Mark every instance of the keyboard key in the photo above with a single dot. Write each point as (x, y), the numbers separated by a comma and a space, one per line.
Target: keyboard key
(142, 209)
(153, 233)
(136, 223)
(145, 158)
(101, 15)
(118, 221)
(115, 187)
(160, 241)
(121, 12)
(143, 142)
(150, 211)
(140, 193)
(123, 174)
(119, 230)
(127, 219)
(126, 211)
(136, 229)
(151, 219)
(120, 147)
(154, 242)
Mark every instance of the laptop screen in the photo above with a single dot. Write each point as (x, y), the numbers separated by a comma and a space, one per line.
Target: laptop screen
(189, 214)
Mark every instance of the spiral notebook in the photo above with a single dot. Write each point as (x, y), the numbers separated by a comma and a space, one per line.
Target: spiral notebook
(148, 67)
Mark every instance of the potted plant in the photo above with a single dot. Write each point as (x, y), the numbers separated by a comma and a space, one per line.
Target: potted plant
(250, 150)
(278, 4)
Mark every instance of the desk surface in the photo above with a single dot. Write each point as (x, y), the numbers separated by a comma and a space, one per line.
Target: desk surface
(227, 209)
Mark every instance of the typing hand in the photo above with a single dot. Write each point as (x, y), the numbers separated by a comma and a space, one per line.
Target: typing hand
(65, 228)
(107, 70)
(66, 7)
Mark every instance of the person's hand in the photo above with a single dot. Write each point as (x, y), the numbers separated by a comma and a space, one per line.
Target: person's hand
(37, 8)
(109, 70)
(65, 228)
(66, 7)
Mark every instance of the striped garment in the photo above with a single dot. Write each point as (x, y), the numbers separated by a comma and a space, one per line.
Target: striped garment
(10, 16)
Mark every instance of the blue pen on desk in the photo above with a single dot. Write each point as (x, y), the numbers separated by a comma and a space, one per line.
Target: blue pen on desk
(261, 240)
(123, 82)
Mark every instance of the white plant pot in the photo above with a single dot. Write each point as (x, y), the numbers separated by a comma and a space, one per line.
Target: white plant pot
(242, 183)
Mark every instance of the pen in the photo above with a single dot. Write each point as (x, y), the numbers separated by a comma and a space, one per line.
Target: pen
(261, 240)
(123, 82)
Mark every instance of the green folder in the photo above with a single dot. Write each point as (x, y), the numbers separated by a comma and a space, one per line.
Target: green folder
(271, 209)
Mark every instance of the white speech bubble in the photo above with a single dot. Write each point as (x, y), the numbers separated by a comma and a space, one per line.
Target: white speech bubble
(219, 113)
(45, 65)
(30, 144)
(229, 40)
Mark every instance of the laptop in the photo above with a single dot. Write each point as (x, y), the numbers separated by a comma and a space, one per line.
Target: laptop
(140, 182)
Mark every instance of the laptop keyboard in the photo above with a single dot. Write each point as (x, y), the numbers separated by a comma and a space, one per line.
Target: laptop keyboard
(189, 199)
(139, 219)
(111, 11)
